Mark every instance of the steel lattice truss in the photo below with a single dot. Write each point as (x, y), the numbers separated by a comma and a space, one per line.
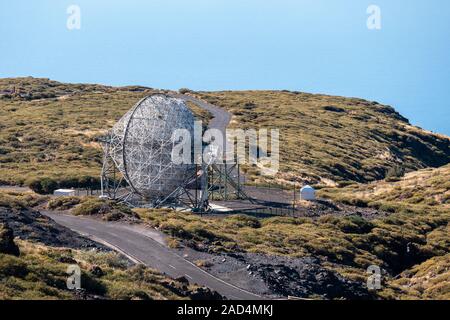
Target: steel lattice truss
(140, 145)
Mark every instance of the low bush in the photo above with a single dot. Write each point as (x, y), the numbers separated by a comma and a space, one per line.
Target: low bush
(43, 185)
(355, 224)
(20, 200)
(91, 207)
(184, 90)
(40, 273)
(241, 221)
(63, 203)
(108, 209)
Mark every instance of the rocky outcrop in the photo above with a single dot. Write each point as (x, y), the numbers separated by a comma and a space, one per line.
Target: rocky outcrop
(97, 271)
(180, 286)
(7, 244)
(309, 279)
(31, 225)
(204, 293)
(279, 277)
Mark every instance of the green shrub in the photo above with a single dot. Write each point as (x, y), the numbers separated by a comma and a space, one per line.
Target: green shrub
(240, 221)
(92, 207)
(355, 224)
(114, 215)
(63, 203)
(184, 90)
(110, 210)
(11, 266)
(198, 231)
(43, 185)
(357, 202)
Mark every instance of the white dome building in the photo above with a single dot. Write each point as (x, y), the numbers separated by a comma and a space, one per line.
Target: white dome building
(308, 193)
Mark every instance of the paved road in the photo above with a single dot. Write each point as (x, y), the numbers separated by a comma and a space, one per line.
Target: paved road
(147, 246)
(221, 118)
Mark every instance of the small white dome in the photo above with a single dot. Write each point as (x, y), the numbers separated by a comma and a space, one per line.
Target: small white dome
(307, 193)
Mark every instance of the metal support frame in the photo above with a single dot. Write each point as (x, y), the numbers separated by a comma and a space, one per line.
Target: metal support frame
(113, 184)
(211, 178)
(208, 182)
(225, 183)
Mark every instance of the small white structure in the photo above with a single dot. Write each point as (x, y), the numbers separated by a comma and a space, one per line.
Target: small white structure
(308, 193)
(64, 192)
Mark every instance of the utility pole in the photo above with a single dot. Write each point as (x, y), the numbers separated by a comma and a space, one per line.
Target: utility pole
(295, 199)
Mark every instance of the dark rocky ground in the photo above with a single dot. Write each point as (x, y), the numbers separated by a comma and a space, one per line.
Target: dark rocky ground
(278, 277)
(31, 225)
(322, 207)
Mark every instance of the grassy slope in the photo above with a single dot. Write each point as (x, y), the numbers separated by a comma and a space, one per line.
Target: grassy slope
(327, 138)
(50, 129)
(421, 194)
(413, 241)
(40, 273)
(429, 280)
(426, 190)
(56, 137)
(43, 137)
(347, 245)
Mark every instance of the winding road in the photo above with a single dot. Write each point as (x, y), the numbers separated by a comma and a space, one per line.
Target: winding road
(147, 246)
(220, 117)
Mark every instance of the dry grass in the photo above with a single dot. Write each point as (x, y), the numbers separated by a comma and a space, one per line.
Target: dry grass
(19, 200)
(49, 129)
(44, 136)
(348, 241)
(347, 245)
(422, 191)
(39, 273)
(429, 280)
(328, 139)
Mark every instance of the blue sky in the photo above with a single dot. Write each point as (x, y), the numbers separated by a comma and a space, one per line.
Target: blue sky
(319, 46)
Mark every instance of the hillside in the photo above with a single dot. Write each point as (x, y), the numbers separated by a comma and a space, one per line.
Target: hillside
(429, 280)
(35, 253)
(357, 151)
(327, 139)
(421, 195)
(420, 191)
(49, 129)
(327, 251)
(412, 248)
(40, 273)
